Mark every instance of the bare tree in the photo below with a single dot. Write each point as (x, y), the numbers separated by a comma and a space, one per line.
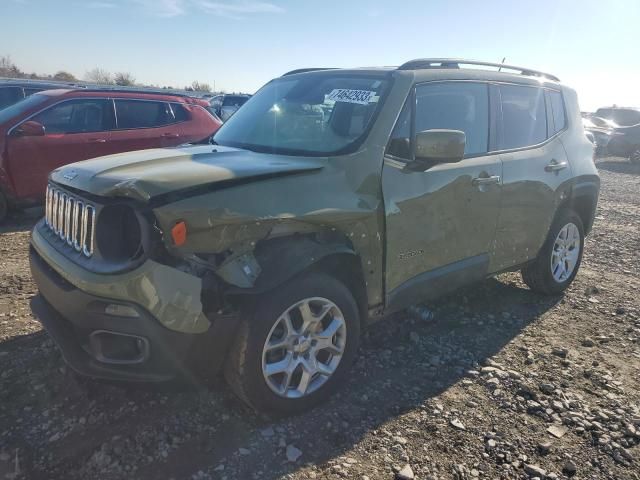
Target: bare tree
(200, 87)
(99, 76)
(124, 79)
(64, 76)
(9, 69)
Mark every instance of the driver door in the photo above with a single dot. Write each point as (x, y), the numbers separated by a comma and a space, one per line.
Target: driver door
(440, 221)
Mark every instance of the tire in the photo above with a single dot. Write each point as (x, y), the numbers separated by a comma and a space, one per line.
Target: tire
(4, 207)
(635, 157)
(249, 355)
(540, 274)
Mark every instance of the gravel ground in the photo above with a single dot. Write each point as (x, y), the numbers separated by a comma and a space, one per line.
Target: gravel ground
(502, 384)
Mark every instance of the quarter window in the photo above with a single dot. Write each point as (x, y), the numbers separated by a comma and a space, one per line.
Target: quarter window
(524, 116)
(76, 116)
(455, 106)
(179, 113)
(557, 109)
(400, 142)
(142, 114)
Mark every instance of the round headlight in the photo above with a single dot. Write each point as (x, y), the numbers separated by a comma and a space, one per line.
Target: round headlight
(118, 233)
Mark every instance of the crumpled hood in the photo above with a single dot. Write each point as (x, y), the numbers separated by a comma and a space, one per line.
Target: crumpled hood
(148, 174)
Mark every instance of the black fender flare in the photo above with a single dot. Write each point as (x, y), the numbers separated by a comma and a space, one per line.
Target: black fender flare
(281, 259)
(584, 200)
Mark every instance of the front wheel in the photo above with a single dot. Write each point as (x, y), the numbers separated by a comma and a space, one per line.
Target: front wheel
(296, 345)
(558, 261)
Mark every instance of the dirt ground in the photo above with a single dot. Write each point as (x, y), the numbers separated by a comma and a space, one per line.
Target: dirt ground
(502, 384)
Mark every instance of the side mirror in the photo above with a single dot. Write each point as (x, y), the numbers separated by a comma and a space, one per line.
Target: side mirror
(439, 146)
(29, 129)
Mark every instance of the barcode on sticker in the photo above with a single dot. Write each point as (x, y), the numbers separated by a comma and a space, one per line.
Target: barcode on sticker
(362, 97)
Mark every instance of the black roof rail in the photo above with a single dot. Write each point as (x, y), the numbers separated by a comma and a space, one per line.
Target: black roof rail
(117, 89)
(425, 63)
(305, 70)
(39, 81)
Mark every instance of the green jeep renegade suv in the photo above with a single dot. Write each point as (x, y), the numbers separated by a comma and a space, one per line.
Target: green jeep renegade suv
(331, 198)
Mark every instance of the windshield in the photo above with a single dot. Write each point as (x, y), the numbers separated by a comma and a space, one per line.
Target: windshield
(21, 107)
(313, 114)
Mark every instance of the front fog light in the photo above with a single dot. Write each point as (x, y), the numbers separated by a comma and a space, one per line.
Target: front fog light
(120, 311)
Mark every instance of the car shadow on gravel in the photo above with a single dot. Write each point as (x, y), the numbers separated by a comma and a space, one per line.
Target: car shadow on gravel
(402, 365)
(618, 165)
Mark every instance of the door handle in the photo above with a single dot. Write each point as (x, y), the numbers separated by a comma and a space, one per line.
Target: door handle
(97, 140)
(555, 166)
(480, 181)
(170, 135)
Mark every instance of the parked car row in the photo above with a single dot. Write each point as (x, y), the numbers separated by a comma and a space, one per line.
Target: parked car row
(55, 127)
(615, 131)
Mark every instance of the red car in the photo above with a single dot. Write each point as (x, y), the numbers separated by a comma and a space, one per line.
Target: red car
(56, 127)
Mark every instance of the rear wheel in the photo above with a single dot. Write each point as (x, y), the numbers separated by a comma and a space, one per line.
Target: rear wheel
(4, 207)
(635, 157)
(296, 346)
(558, 261)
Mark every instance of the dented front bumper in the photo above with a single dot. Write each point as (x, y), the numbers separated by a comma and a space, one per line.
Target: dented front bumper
(171, 296)
(164, 333)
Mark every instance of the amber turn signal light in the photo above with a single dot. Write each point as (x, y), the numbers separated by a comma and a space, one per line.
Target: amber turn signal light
(179, 234)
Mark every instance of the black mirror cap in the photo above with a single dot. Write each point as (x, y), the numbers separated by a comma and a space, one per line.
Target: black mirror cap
(440, 146)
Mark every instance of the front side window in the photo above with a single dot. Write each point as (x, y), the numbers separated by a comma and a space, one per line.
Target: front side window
(142, 114)
(234, 101)
(312, 114)
(76, 116)
(557, 110)
(455, 106)
(524, 116)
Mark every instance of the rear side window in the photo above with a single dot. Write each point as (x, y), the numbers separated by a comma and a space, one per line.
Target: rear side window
(9, 96)
(179, 113)
(524, 116)
(557, 110)
(455, 106)
(142, 114)
(76, 116)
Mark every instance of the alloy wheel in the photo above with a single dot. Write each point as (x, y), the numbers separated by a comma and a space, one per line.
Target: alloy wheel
(565, 253)
(304, 347)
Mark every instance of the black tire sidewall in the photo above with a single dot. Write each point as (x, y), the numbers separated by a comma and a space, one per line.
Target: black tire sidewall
(4, 207)
(565, 217)
(264, 314)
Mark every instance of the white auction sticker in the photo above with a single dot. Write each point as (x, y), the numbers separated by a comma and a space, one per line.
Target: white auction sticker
(361, 97)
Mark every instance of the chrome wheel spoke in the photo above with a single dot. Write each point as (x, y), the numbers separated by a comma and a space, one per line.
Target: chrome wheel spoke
(282, 366)
(304, 347)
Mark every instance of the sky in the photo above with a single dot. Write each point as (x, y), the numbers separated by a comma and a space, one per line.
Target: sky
(238, 45)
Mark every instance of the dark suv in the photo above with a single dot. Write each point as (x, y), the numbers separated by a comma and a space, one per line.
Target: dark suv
(55, 127)
(14, 90)
(330, 198)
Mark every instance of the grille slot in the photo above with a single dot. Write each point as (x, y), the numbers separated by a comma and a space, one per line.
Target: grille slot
(71, 219)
